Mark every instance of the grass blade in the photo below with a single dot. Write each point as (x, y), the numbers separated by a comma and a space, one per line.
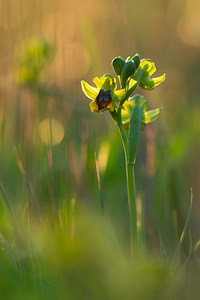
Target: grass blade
(183, 234)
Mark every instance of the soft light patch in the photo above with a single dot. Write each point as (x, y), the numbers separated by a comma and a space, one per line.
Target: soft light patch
(51, 131)
(72, 61)
(103, 156)
(188, 29)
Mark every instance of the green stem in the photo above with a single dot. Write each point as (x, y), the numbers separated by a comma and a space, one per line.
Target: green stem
(130, 177)
(132, 207)
(124, 140)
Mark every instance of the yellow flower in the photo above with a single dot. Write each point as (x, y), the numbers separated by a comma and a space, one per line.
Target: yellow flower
(104, 96)
(147, 116)
(148, 68)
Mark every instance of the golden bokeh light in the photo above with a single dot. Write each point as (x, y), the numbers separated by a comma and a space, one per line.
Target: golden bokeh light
(189, 29)
(51, 131)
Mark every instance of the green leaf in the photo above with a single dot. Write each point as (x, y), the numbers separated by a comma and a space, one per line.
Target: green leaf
(151, 115)
(134, 132)
(88, 90)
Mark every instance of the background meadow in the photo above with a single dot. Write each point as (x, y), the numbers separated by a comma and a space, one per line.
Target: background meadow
(56, 240)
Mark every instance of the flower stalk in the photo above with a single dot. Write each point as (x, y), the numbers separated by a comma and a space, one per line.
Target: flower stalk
(131, 189)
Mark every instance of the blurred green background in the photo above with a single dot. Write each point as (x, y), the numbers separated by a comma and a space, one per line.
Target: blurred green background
(47, 47)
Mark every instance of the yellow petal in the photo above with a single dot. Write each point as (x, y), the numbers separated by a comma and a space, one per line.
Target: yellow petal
(94, 106)
(88, 90)
(98, 83)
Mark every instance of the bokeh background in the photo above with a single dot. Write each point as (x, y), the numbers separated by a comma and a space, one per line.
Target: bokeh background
(77, 40)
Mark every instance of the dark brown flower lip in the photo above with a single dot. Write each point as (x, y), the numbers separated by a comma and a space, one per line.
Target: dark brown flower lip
(103, 99)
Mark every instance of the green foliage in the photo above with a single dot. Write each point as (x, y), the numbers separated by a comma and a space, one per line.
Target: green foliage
(31, 59)
(57, 264)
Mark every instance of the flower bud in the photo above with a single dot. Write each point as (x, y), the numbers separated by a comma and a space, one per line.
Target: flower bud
(118, 64)
(128, 70)
(136, 60)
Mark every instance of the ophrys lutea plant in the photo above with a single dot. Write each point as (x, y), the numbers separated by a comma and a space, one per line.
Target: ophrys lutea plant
(129, 113)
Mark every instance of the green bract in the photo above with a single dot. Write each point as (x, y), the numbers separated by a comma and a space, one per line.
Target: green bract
(147, 116)
(104, 85)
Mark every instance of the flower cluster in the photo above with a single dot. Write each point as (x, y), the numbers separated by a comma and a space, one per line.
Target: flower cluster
(131, 73)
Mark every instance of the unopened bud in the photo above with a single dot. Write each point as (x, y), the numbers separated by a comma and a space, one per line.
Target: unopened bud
(128, 70)
(118, 64)
(136, 60)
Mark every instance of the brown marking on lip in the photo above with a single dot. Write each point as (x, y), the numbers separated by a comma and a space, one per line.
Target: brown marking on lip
(103, 99)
